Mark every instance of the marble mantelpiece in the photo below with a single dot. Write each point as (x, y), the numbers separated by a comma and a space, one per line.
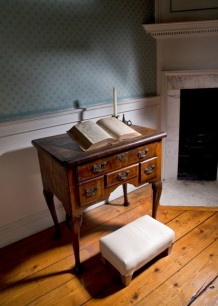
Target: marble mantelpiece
(173, 82)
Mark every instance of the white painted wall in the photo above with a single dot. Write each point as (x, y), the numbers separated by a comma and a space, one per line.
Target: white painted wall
(23, 208)
(188, 53)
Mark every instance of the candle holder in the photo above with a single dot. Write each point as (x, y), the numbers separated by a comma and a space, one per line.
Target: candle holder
(127, 122)
(115, 116)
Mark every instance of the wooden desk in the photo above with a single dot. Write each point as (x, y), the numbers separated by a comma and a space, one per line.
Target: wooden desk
(80, 179)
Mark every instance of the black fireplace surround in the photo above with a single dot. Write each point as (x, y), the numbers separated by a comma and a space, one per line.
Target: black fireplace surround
(198, 135)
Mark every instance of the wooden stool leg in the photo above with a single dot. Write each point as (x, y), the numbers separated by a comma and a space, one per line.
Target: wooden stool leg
(126, 279)
(103, 260)
(169, 250)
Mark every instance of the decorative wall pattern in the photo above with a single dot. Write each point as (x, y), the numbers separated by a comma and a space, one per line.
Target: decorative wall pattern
(56, 52)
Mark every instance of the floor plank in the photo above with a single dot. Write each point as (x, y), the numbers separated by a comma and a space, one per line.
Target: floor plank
(207, 297)
(38, 270)
(192, 278)
(40, 250)
(184, 250)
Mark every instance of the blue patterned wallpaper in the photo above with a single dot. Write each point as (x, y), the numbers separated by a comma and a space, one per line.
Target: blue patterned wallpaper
(56, 52)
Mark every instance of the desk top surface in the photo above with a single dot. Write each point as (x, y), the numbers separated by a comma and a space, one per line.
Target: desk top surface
(65, 150)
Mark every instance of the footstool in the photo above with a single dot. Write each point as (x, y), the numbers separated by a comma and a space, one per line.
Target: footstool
(135, 244)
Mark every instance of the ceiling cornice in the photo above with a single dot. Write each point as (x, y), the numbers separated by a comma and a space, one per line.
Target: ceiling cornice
(182, 29)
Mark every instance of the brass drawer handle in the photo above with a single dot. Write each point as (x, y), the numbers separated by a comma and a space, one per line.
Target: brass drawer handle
(91, 191)
(122, 157)
(149, 169)
(142, 154)
(123, 176)
(99, 168)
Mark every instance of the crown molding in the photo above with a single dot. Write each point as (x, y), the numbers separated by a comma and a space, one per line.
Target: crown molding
(182, 29)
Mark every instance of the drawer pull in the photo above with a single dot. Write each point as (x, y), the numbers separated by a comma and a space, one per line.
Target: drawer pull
(149, 169)
(122, 157)
(91, 191)
(123, 176)
(99, 168)
(142, 154)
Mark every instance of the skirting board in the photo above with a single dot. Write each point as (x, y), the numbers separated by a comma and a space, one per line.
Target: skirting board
(42, 220)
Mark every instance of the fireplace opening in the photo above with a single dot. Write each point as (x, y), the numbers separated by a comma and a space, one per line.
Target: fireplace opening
(198, 134)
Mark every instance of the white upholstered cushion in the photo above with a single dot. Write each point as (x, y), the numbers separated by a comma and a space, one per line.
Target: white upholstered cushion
(135, 244)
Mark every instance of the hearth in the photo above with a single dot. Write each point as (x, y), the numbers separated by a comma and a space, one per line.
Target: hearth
(198, 134)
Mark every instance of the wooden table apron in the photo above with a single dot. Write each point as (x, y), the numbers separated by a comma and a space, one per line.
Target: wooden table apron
(80, 179)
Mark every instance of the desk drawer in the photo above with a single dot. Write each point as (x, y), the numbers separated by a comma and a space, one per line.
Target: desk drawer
(148, 169)
(145, 152)
(121, 176)
(116, 161)
(93, 169)
(91, 191)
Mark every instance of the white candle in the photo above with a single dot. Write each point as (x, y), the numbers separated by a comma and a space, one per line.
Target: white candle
(115, 101)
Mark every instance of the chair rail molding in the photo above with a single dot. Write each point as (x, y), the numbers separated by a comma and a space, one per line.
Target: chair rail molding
(182, 29)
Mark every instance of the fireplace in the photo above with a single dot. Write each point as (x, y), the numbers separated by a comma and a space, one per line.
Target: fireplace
(186, 59)
(174, 85)
(198, 134)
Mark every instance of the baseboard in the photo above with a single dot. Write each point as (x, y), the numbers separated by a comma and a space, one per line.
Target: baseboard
(28, 226)
(42, 220)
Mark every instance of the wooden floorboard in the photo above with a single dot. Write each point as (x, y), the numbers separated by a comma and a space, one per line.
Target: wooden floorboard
(39, 270)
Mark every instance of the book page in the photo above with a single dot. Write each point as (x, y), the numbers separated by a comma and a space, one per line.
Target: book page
(87, 133)
(117, 129)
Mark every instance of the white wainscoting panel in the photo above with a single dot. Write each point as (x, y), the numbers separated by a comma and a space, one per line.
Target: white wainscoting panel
(23, 208)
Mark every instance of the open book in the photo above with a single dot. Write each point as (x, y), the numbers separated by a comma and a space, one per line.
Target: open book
(90, 135)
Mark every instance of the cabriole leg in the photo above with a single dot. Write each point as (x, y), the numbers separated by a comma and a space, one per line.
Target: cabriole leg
(157, 189)
(74, 223)
(126, 202)
(49, 197)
